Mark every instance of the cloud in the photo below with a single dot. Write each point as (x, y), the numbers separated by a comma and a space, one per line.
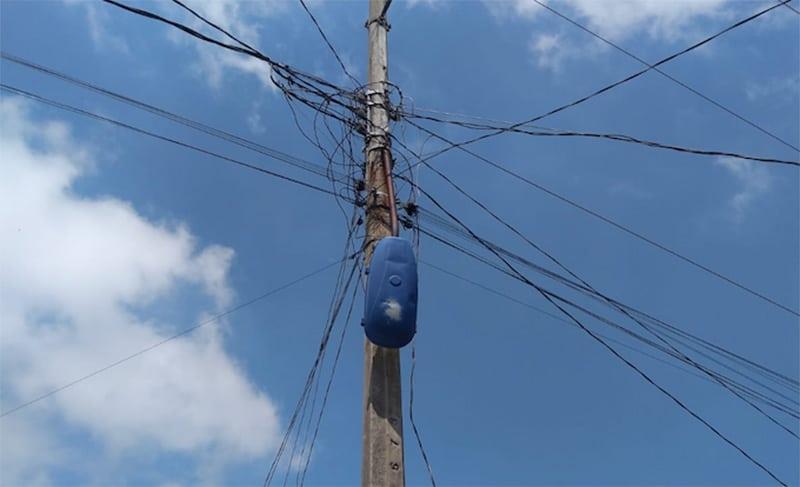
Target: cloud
(754, 181)
(555, 43)
(96, 19)
(240, 17)
(786, 88)
(79, 280)
(254, 120)
(550, 51)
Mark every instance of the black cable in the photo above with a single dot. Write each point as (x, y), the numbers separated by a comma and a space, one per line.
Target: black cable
(411, 415)
(312, 374)
(611, 86)
(559, 318)
(188, 122)
(339, 293)
(328, 386)
(328, 42)
(179, 143)
(550, 298)
(770, 374)
(553, 259)
(788, 409)
(587, 288)
(247, 50)
(293, 80)
(301, 436)
(614, 137)
(668, 76)
(792, 8)
(186, 331)
(611, 222)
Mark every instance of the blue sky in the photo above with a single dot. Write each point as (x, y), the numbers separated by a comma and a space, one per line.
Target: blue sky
(112, 241)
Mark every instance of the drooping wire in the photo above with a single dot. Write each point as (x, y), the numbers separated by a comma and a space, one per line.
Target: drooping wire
(79, 111)
(310, 379)
(549, 296)
(609, 87)
(342, 335)
(188, 122)
(590, 288)
(613, 137)
(631, 55)
(751, 393)
(611, 222)
(214, 319)
(491, 290)
(677, 333)
(292, 82)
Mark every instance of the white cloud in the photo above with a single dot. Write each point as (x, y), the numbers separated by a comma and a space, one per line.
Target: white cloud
(76, 278)
(96, 19)
(754, 181)
(241, 18)
(786, 88)
(556, 42)
(663, 20)
(549, 51)
(254, 121)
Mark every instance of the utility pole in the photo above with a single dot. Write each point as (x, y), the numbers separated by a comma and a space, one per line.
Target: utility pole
(382, 446)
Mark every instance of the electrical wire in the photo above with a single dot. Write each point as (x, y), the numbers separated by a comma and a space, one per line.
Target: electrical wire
(590, 288)
(79, 111)
(411, 415)
(748, 391)
(186, 331)
(328, 42)
(310, 379)
(614, 137)
(555, 317)
(550, 297)
(185, 121)
(613, 223)
(679, 334)
(628, 53)
(460, 145)
(328, 387)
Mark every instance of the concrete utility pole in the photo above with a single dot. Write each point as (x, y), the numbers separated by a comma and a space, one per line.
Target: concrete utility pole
(382, 462)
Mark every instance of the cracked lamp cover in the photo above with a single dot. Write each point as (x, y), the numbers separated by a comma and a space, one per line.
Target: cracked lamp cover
(390, 306)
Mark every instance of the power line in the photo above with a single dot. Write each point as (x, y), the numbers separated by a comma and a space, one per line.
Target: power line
(628, 53)
(611, 222)
(557, 318)
(788, 409)
(792, 9)
(79, 111)
(289, 80)
(328, 387)
(312, 374)
(249, 144)
(611, 86)
(586, 287)
(186, 331)
(715, 376)
(328, 42)
(773, 376)
(590, 288)
(550, 297)
(678, 334)
(615, 137)
(411, 415)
